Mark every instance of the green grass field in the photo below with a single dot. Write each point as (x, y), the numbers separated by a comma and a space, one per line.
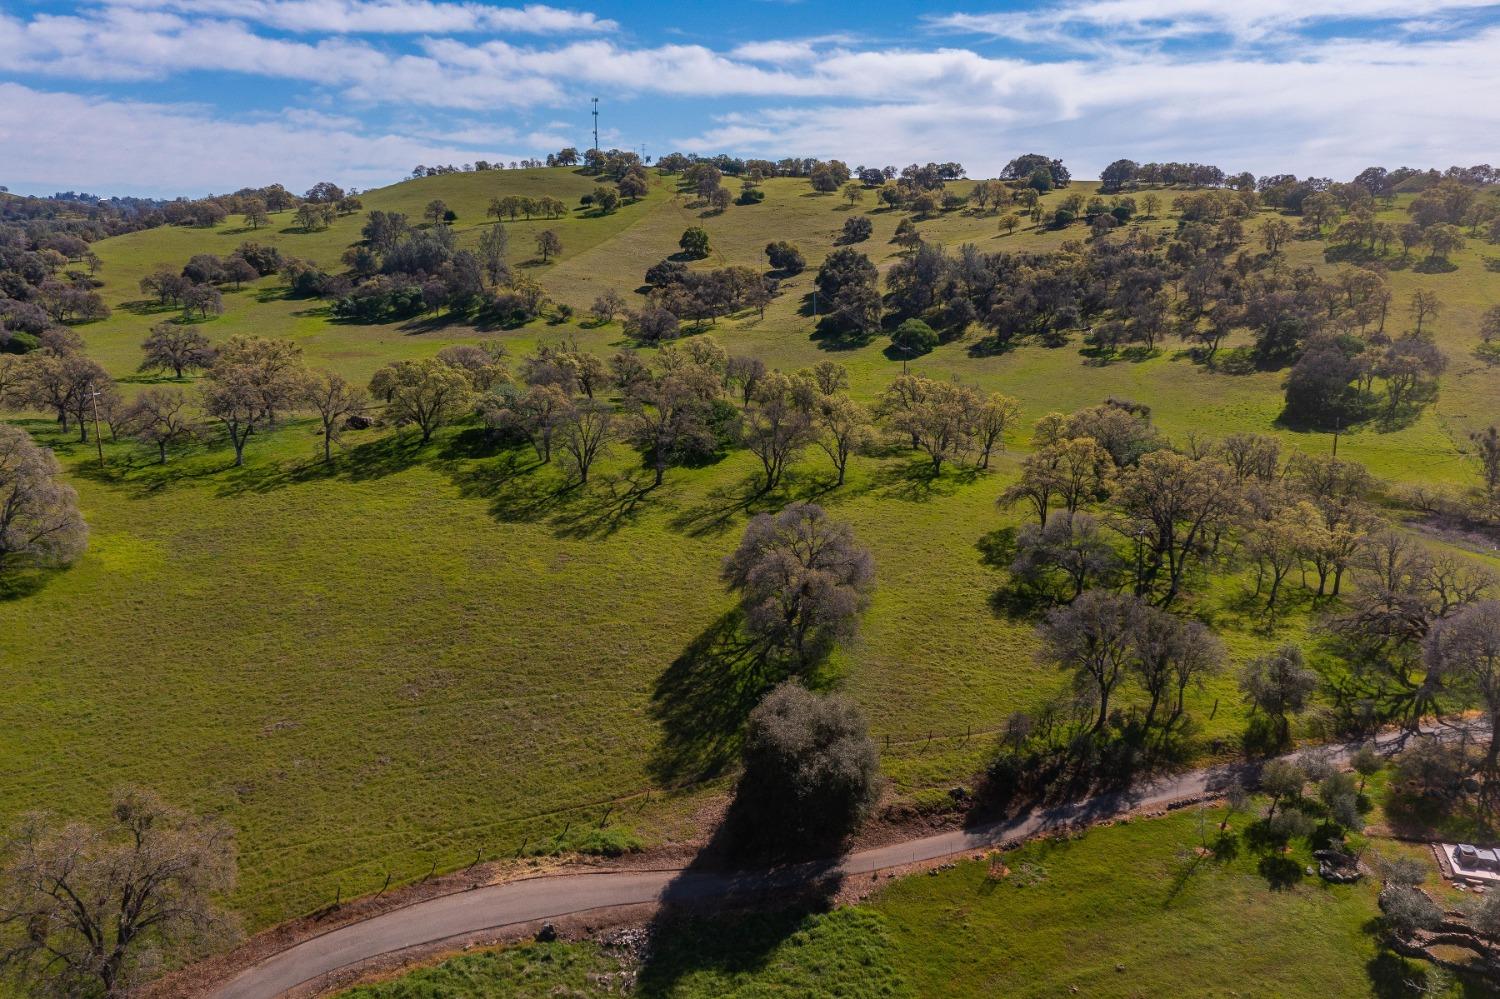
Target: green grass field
(1125, 911)
(424, 653)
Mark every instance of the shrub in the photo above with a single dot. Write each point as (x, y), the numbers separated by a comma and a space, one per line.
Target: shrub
(694, 242)
(785, 257)
(856, 229)
(811, 774)
(914, 337)
(1063, 218)
(659, 275)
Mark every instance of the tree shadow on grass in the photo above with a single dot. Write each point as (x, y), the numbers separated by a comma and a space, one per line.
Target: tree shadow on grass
(1435, 265)
(23, 581)
(516, 493)
(702, 700)
(708, 928)
(146, 307)
(1280, 871)
(605, 506)
(914, 482)
(721, 507)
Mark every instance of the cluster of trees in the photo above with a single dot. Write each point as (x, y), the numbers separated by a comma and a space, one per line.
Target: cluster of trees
(1039, 172)
(400, 270)
(1172, 515)
(1123, 173)
(1125, 522)
(317, 208)
(696, 402)
(478, 166)
(1198, 284)
(514, 206)
(947, 421)
(196, 287)
(1339, 328)
(46, 279)
(677, 294)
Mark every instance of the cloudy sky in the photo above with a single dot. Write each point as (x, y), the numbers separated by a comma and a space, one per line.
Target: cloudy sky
(165, 97)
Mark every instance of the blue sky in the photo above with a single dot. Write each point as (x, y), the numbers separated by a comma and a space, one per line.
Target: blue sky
(164, 97)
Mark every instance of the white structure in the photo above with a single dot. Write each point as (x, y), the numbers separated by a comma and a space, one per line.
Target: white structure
(1472, 863)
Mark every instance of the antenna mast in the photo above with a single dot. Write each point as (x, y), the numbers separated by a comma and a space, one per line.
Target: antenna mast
(596, 122)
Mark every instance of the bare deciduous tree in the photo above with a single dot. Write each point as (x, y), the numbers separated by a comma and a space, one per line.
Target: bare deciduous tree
(160, 417)
(427, 393)
(87, 910)
(585, 434)
(39, 518)
(802, 580)
(335, 399)
(175, 348)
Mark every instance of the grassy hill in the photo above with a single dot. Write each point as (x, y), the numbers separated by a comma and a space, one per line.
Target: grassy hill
(424, 653)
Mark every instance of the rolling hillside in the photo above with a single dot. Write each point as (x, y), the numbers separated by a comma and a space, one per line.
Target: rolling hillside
(423, 654)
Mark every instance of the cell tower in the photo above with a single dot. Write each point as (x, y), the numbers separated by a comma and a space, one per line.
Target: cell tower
(596, 122)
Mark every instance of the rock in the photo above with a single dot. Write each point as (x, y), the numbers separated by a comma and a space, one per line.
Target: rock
(358, 422)
(1336, 867)
(958, 793)
(546, 934)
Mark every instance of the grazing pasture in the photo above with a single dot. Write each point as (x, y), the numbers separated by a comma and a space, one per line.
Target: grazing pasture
(422, 654)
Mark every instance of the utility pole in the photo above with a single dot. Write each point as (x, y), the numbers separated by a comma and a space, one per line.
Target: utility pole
(98, 440)
(596, 122)
(1338, 425)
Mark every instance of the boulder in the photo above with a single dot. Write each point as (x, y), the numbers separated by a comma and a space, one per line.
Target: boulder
(1337, 867)
(358, 422)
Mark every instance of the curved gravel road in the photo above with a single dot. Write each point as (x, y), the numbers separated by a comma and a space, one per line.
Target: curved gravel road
(551, 897)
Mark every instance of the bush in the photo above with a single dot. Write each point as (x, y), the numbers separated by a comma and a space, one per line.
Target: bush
(652, 325)
(753, 196)
(914, 337)
(694, 242)
(659, 275)
(380, 300)
(811, 774)
(856, 229)
(265, 259)
(785, 257)
(1063, 218)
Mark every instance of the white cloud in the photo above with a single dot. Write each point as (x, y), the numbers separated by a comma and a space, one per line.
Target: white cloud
(1329, 105)
(1331, 109)
(1127, 21)
(123, 147)
(389, 16)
